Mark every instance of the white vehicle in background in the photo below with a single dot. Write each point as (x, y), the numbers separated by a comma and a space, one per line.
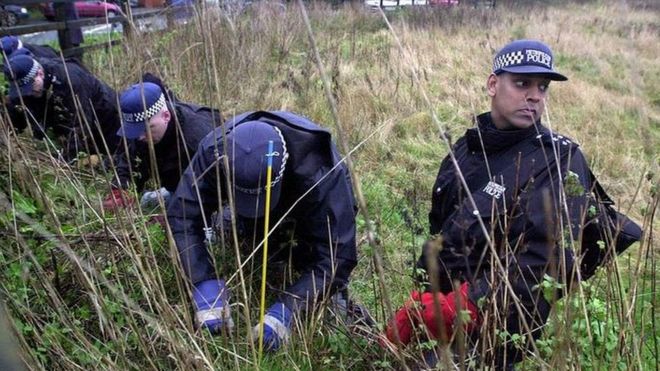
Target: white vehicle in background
(394, 4)
(238, 6)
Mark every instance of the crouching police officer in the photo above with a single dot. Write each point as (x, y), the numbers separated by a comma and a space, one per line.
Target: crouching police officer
(528, 188)
(49, 93)
(12, 45)
(152, 116)
(311, 188)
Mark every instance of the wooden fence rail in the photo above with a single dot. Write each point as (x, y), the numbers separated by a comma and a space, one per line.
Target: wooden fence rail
(64, 26)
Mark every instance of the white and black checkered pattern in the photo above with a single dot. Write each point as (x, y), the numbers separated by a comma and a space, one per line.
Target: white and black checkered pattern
(507, 60)
(29, 78)
(139, 117)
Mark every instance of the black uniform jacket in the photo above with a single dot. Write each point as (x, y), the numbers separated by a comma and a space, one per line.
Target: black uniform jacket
(42, 51)
(324, 219)
(532, 194)
(75, 104)
(188, 125)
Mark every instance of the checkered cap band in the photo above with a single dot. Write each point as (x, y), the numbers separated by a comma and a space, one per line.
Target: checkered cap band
(29, 78)
(523, 57)
(280, 173)
(508, 60)
(139, 117)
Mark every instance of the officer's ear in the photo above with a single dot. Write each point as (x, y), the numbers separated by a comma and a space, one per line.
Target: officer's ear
(491, 84)
(167, 115)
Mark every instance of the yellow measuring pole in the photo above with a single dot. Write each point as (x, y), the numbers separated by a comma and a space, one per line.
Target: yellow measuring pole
(262, 312)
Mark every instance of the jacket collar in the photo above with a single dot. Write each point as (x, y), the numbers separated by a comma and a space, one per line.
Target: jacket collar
(170, 133)
(495, 140)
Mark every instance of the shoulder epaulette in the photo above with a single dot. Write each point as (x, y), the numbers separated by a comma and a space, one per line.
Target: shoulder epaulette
(553, 139)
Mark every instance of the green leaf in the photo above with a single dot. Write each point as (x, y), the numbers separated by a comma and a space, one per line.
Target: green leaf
(23, 204)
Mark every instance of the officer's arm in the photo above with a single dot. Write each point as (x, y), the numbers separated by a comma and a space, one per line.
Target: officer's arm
(129, 170)
(439, 195)
(194, 199)
(330, 230)
(22, 113)
(83, 86)
(16, 115)
(79, 87)
(557, 211)
(192, 134)
(578, 185)
(583, 213)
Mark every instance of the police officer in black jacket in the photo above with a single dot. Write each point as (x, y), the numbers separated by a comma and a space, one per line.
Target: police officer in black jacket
(12, 45)
(529, 194)
(311, 191)
(64, 97)
(152, 114)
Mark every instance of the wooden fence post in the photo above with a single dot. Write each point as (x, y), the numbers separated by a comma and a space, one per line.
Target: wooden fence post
(69, 27)
(126, 24)
(69, 37)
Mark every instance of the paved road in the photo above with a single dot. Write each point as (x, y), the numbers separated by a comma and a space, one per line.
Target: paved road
(50, 36)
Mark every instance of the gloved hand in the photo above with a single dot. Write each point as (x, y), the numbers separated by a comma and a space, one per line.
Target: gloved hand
(277, 327)
(212, 306)
(449, 307)
(118, 198)
(92, 161)
(403, 322)
(421, 309)
(149, 199)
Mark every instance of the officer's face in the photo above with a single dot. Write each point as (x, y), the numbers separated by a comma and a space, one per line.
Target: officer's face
(38, 84)
(157, 126)
(517, 100)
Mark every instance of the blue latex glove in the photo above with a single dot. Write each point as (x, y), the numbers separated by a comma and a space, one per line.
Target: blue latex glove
(212, 305)
(277, 327)
(149, 200)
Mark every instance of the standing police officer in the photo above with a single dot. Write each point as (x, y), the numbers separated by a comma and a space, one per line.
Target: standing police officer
(49, 93)
(311, 190)
(151, 115)
(528, 192)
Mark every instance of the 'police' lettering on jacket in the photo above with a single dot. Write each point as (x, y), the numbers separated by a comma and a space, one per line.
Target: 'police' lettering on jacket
(495, 190)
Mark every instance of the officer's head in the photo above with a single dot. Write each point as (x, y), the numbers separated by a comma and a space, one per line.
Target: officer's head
(10, 44)
(25, 76)
(248, 152)
(518, 85)
(143, 113)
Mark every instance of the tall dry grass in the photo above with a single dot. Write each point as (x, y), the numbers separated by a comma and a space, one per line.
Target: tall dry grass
(88, 290)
